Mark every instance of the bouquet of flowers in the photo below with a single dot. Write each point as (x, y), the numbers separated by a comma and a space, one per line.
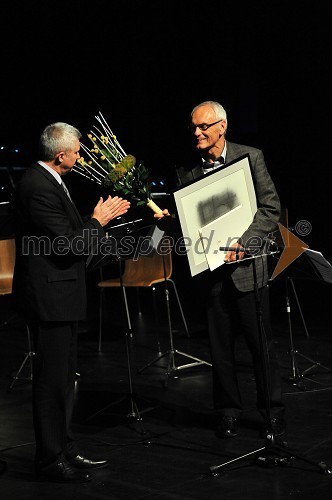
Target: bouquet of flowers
(108, 165)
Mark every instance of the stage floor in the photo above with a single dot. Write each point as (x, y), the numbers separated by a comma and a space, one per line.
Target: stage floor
(159, 436)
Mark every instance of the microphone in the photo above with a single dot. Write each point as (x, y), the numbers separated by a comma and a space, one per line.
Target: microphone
(232, 249)
(253, 250)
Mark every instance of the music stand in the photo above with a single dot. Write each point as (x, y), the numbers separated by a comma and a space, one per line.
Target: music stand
(274, 450)
(110, 255)
(172, 352)
(27, 358)
(118, 231)
(310, 266)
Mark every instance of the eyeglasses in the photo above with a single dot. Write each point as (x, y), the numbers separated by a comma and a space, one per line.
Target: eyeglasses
(202, 126)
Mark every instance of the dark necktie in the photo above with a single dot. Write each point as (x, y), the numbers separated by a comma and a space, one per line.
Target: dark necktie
(64, 187)
(220, 160)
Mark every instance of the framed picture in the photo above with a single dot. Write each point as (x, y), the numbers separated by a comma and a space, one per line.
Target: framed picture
(214, 211)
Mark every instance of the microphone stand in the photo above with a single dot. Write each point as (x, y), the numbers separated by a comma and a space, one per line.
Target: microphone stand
(273, 452)
(171, 352)
(134, 414)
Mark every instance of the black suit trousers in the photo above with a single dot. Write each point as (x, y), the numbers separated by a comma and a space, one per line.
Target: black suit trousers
(54, 372)
(231, 313)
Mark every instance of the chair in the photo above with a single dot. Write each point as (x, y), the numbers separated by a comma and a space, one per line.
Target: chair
(7, 262)
(148, 271)
(145, 271)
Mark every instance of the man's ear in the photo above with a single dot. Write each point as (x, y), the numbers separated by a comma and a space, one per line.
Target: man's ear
(59, 157)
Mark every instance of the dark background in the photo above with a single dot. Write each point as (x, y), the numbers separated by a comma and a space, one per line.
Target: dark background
(145, 64)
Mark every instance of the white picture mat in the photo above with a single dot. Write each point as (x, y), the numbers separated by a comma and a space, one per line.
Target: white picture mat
(231, 182)
(216, 235)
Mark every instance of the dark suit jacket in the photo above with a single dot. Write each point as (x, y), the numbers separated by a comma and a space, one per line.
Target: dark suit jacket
(52, 245)
(264, 222)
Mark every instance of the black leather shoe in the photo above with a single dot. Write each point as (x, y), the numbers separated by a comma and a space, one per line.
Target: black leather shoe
(278, 427)
(227, 427)
(63, 472)
(80, 462)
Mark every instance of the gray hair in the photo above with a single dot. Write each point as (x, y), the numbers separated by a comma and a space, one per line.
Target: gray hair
(57, 137)
(217, 108)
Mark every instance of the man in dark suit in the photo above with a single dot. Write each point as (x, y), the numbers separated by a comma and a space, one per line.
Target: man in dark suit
(52, 245)
(231, 305)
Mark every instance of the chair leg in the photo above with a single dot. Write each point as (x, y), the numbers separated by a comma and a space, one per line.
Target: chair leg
(180, 307)
(155, 305)
(8, 320)
(100, 318)
(101, 295)
(156, 315)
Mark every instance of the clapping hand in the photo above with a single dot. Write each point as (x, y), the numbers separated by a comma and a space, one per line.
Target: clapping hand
(110, 209)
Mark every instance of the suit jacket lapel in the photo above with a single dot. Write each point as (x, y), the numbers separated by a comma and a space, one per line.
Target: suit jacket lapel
(55, 183)
(197, 171)
(234, 151)
(230, 154)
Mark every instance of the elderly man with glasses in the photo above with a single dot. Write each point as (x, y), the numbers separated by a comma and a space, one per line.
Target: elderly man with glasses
(231, 300)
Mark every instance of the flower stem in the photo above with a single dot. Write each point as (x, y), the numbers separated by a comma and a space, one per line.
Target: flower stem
(151, 204)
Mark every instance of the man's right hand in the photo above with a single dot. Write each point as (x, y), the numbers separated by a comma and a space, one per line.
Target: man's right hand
(234, 255)
(160, 216)
(109, 209)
